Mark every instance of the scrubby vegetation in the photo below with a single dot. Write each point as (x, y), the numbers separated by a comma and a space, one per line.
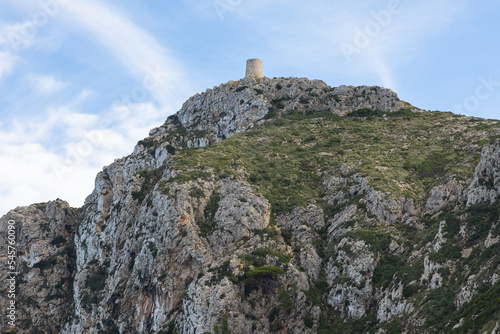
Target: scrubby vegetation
(286, 157)
(403, 153)
(149, 179)
(207, 222)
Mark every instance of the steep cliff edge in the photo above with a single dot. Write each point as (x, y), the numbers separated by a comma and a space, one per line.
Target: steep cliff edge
(277, 206)
(46, 265)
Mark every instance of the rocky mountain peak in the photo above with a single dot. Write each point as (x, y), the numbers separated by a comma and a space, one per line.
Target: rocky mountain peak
(235, 106)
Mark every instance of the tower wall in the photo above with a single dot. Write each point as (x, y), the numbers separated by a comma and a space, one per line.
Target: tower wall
(254, 68)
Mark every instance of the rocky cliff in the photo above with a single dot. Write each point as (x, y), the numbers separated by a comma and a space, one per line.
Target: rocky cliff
(276, 206)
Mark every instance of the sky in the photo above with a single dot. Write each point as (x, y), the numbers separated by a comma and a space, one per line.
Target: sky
(81, 81)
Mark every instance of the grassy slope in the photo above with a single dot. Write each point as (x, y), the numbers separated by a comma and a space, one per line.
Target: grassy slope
(408, 154)
(404, 155)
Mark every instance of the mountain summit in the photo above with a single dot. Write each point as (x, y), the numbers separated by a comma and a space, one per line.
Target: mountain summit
(275, 206)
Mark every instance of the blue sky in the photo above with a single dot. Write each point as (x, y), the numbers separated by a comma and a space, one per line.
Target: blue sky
(81, 81)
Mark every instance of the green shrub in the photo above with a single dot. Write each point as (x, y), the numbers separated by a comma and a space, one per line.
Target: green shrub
(285, 300)
(258, 257)
(264, 273)
(480, 218)
(58, 241)
(146, 143)
(334, 97)
(212, 206)
(152, 248)
(207, 223)
(272, 113)
(170, 149)
(239, 89)
(448, 251)
(287, 236)
(410, 290)
(273, 314)
(304, 100)
(45, 264)
(96, 281)
(197, 193)
(378, 242)
(439, 305)
(279, 103)
(314, 296)
(113, 330)
(276, 326)
(268, 233)
(139, 196)
(490, 252)
(149, 180)
(189, 176)
(220, 272)
(452, 223)
(254, 260)
(86, 300)
(365, 112)
(41, 206)
(385, 270)
(308, 321)
(296, 115)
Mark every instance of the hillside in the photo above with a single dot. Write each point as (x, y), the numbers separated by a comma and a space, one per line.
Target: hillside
(276, 206)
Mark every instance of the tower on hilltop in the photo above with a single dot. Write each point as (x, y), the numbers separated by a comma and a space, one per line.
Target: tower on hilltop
(254, 69)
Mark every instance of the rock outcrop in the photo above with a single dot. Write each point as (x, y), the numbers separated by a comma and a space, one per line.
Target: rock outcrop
(231, 108)
(46, 265)
(485, 187)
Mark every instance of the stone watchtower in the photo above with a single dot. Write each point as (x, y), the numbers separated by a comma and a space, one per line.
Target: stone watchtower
(254, 69)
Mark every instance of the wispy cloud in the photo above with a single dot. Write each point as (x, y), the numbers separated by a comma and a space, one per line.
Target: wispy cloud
(7, 61)
(7, 56)
(383, 38)
(153, 66)
(16, 36)
(58, 153)
(149, 62)
(45, 84)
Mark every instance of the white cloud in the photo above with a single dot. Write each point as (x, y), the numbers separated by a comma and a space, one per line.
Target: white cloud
(17, 36)
(7, 61)
(150, 63)
(59, 153)
(7, 57)
(44, 84)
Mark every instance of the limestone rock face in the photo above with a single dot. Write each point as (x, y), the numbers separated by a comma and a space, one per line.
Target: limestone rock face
(46, 264)
(392, 303)
(240, 211)
(444, 195)
(158, 266)
(355, 262)
(485, 187)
